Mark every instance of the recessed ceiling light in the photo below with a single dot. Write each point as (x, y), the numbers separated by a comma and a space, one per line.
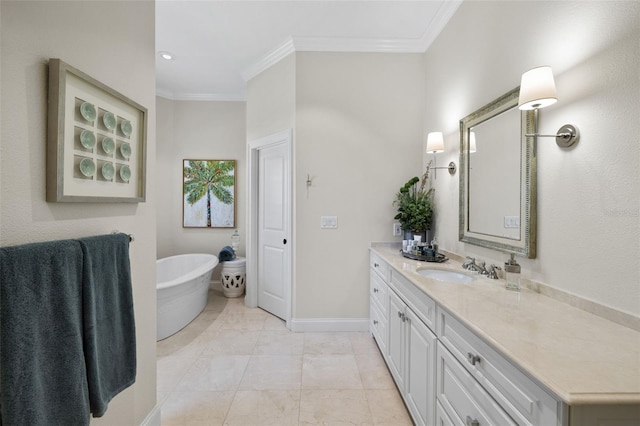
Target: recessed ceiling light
(166, 55)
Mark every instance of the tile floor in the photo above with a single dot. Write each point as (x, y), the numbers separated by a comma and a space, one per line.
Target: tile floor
(238, 366)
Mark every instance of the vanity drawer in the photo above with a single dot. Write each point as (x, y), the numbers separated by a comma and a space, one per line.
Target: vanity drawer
(521, 397)
(462, 397)
(379, 292)
(378, 326)
(442, 418)
(380, 266)
(423, 306)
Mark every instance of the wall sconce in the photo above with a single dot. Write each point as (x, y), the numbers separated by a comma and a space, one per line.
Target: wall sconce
(435, 144)
(538, 90)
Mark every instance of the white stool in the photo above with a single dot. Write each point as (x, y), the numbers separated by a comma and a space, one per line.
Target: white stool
(234, 277)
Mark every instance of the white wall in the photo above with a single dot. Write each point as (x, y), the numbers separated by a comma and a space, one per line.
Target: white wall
(113, 42)
(198, 130)
(271, 100)
(357, 121)
(358, 135)
(588, 197)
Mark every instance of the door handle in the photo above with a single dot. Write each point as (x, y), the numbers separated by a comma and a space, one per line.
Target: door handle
(471, 422)
(284, 241)
(473, 358)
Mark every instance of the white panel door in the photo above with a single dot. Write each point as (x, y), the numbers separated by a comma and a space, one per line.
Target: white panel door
(273, 241)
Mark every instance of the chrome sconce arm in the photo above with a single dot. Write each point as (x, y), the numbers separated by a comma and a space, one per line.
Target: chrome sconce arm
(435, 144)
(451, 167)
(567, 135)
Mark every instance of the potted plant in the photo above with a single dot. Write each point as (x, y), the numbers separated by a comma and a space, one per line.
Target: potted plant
(415, 207)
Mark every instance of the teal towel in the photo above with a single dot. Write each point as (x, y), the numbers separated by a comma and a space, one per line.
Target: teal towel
(109, 326)
(42, 368)
(226, 254)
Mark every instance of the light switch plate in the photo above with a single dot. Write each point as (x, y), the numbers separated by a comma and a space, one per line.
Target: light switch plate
(512, 221)
(328, 222)
(397, 230)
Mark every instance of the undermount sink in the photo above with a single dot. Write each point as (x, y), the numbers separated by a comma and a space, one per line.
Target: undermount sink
(446, 276)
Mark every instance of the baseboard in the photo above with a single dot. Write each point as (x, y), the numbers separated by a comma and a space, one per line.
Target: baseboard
(215, 285)
(153, 418)
(329, 324)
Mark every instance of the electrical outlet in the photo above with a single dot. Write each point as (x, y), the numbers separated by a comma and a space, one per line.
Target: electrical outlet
(397, 231)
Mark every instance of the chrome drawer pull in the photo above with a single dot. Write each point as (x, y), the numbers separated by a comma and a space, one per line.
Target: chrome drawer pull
(473, 359)
(471, 422)
(375, 265)
(375, 290)
(375, 322)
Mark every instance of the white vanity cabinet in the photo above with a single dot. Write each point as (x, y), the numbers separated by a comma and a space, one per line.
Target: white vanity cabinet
(466, 364)
(411, 355)
(452, 370)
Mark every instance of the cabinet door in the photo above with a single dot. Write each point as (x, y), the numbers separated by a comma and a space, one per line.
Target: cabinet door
(420, 369)
(396, 342)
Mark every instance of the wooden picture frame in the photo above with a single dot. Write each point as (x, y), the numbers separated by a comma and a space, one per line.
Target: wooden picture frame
(208, 193)
(96, 141)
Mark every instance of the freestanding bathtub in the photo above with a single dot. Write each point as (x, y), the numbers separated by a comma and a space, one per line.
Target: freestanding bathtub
(182, 289)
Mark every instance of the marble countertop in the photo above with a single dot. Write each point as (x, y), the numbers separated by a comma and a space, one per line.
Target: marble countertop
(581, 357)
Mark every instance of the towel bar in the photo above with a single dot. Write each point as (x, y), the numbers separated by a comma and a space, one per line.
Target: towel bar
(131, 237)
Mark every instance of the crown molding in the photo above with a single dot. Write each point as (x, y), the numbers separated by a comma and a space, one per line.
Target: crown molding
(338, 44)
(319, 44)
(439, 21)
(270, 59)
(216, 97)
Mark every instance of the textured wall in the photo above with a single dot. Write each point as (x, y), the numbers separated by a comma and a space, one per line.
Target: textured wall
(358, 135)
(114, 43)
(198, 130)
(588, 196)
(357, 121)
(271, 100)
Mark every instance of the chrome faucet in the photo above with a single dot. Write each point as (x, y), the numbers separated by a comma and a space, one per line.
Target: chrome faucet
(481, 269)
(470, 261)
(470, 265)
(493, 272)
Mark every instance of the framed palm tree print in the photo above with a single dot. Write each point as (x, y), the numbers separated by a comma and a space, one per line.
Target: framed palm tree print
(209, 199)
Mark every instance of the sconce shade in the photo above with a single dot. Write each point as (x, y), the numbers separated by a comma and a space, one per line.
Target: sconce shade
(537, 89)
(435, 142)
(472, 142)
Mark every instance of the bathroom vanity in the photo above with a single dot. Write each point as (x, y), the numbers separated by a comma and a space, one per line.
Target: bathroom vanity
(475, 354)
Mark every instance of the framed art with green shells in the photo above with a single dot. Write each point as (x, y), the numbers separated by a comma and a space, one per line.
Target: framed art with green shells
(96, 140)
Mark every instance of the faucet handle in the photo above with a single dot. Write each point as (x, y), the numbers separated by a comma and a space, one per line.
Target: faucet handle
(470, 261)
(493, 271)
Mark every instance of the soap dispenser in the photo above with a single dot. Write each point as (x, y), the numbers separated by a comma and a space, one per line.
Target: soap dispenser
(512, 274)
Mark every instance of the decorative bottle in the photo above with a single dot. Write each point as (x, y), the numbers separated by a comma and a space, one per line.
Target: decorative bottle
(512, 274)
(235, 241)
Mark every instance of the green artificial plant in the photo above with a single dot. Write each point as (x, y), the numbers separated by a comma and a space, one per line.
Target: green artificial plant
(415, 204)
